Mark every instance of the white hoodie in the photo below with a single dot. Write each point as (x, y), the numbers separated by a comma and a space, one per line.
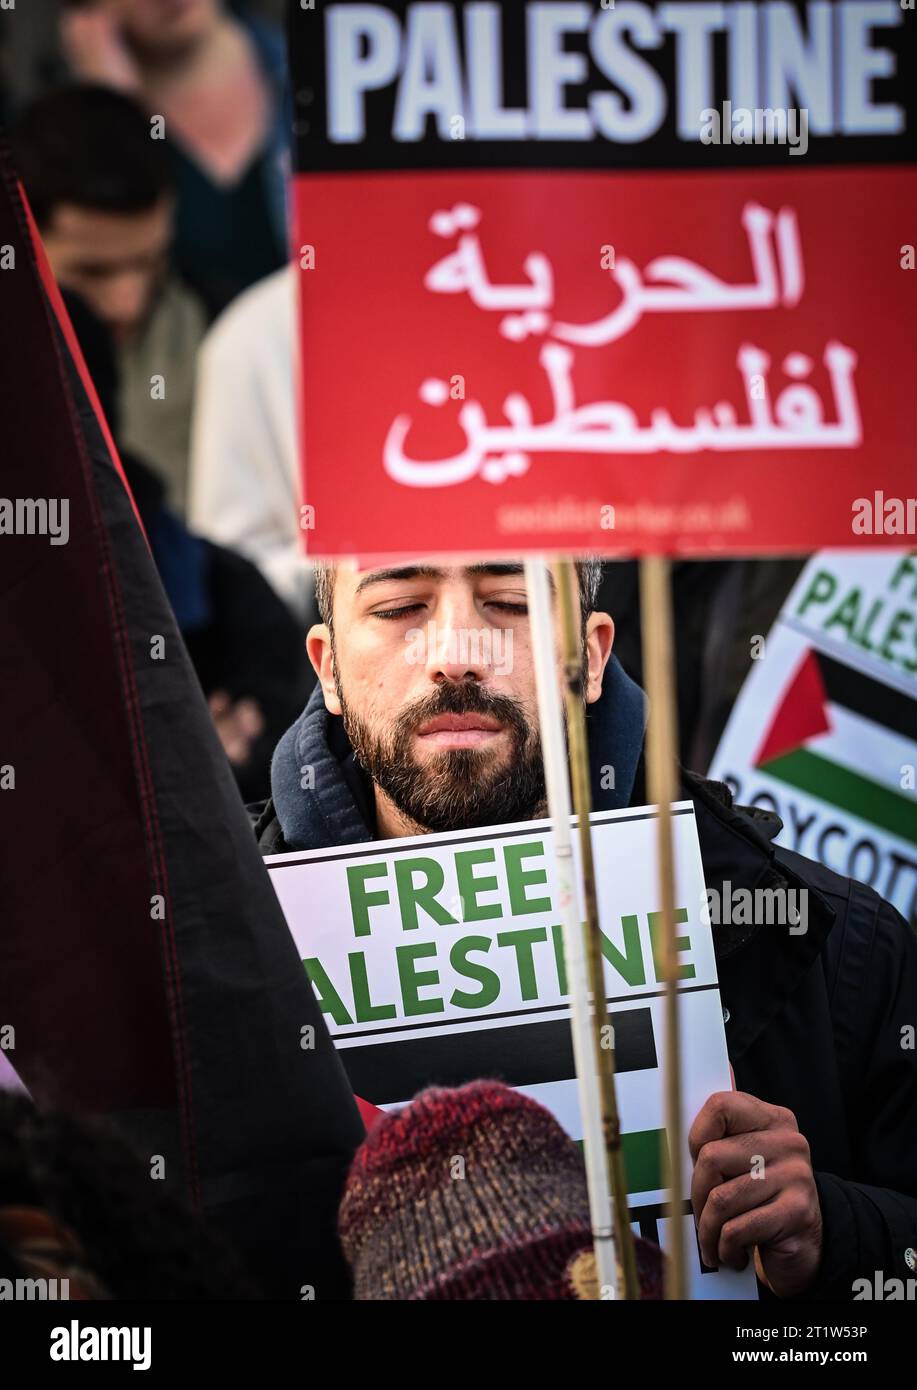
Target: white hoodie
(245, 489)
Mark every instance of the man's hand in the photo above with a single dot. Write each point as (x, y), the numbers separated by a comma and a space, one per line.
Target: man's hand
(753, 1189)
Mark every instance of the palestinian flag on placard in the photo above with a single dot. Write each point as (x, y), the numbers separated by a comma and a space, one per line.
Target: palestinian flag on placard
(842, 737)
(147, 973)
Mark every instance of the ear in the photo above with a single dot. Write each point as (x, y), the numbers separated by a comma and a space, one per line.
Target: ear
(318, 648)
(600, 636)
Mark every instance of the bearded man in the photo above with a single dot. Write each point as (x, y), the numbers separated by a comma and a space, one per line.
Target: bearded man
(425, 720)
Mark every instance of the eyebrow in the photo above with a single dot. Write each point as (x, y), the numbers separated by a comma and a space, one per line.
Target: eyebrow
(118, 264)
(494, 570)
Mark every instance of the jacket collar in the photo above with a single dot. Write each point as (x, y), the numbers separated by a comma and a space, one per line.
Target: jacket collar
(322, 798)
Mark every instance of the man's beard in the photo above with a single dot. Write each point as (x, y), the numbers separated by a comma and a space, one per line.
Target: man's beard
(455, 788)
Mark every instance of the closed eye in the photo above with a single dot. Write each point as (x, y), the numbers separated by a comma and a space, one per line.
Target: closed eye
(392, 613)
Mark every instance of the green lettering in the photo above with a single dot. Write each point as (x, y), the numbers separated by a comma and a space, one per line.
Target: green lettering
(469, 887)
(360, 900)
(488, 979)
(412, 980)
(907, 569)
(365, 1010)
(682, 943)
(518, 879)
(846, 614)
(329, 1001)
(899, 622)
(411, 895)
(862, 637)
(522, 942)
(630, 965)
(821, 589)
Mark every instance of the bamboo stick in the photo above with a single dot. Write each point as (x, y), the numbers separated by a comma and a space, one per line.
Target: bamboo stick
(558, 788)
(567, 588)
(662, 745)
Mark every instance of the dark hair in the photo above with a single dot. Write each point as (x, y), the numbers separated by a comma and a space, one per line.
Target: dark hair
(137, 1240)
(588, 572)
(89, 146)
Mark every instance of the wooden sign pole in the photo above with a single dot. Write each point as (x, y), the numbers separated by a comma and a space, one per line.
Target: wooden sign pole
(662, 752)
(553, 746)
(566, 585)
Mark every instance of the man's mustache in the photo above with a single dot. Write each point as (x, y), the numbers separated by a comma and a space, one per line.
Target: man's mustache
(463, 697)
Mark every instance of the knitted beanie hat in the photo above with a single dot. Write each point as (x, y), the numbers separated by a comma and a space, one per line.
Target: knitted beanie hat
(469, 1193)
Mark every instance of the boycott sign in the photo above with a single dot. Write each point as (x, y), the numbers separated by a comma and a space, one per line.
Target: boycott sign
(834, 697)
(439, 959)
(579, 265)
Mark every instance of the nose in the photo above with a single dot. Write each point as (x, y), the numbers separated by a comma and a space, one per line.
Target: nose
(457, 641)
(125, 299)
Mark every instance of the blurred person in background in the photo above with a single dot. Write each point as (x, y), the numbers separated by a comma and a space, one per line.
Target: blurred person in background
(219, 81)
(101, 193)
(244, 487)
(245, 647)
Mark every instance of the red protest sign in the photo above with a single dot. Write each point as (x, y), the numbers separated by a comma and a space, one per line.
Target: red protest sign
(586, 358)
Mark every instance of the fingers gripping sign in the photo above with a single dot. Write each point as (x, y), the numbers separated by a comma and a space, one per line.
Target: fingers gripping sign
(753, 1189)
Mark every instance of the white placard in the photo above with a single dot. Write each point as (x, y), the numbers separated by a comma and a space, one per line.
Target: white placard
(438, 959)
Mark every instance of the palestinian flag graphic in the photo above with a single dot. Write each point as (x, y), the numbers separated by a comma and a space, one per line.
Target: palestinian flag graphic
(836, 735)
